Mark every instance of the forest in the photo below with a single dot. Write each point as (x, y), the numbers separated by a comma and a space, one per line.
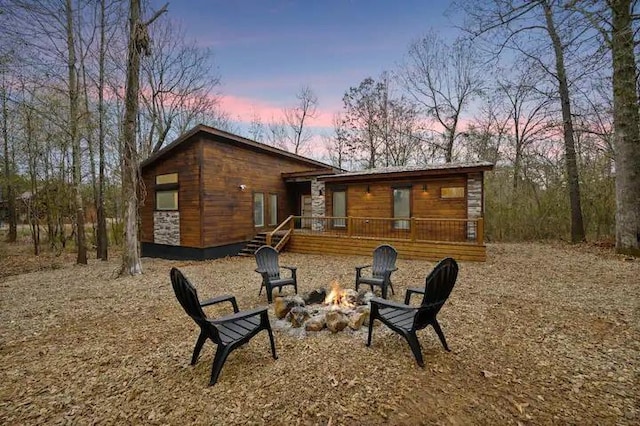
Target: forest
(547, 90)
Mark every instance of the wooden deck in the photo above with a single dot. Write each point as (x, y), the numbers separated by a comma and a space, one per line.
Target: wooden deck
(428, 239)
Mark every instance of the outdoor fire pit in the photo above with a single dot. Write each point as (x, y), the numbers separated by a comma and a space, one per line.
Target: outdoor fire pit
(337, 310)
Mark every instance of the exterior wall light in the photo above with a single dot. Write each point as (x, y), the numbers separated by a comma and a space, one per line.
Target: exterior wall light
(368, 190)
(242, 187)
(424, 187)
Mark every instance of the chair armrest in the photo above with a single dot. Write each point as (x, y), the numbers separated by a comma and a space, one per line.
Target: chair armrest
(360, 268)
(291, 268)
(239, 315)
(260, 271)
(219, 299)
(390, 304)
(410, 291)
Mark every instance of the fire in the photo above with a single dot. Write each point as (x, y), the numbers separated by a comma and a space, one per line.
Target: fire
(338, 297)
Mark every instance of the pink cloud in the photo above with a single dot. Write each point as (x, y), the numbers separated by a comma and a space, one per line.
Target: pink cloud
(246, 109)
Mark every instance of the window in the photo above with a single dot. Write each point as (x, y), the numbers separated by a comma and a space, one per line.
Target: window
(452, 192)
(273, 209)
(258, 209)
(166, 190)
(401, 207)
(339, 208)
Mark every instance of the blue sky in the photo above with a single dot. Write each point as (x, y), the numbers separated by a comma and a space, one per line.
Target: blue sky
(266, 50)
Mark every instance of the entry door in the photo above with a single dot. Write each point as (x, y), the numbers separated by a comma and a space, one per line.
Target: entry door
(306, 210)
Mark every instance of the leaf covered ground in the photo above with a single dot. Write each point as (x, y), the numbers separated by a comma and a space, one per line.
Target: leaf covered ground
(540, 334)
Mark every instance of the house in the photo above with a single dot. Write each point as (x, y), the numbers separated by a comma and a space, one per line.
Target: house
(209, 193)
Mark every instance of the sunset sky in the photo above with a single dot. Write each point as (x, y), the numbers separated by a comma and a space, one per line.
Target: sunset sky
(266, 50)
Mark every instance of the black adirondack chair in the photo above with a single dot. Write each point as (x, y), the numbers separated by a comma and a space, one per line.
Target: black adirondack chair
(384, 263)
(228, 332)
(406, 320)
(269, 268)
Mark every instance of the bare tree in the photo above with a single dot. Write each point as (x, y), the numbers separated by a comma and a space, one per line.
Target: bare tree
(443, 79)
(297, 118)
(518, 25)
(9, 193)
(139, 43)
(178, 86)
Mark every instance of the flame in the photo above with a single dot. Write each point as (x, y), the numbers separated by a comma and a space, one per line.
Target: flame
(337, 297)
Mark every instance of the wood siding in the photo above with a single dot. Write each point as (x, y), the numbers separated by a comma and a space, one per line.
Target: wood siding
(379, 201)
(227, 210)
(184, 161)
(318, 244)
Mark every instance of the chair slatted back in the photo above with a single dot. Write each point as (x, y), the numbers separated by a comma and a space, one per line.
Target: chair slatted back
(384, 259)
(438, 286)
(187, 296)
(267, 260)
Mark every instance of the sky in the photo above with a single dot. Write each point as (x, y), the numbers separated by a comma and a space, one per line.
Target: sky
(265, 51)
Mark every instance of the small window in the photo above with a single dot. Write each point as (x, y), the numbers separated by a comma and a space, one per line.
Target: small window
(166, 190)
(339, 208)
(167, 200)
(258, 209)
(273, 209)
(452, 192)
(168, 178)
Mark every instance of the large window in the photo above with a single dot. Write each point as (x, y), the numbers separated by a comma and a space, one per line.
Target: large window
(166, 190)
(273, 209)
(339, 208)
(258, 209)
(401, 207)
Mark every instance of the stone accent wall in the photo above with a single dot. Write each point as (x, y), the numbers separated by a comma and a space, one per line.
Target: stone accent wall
(474, 201)
(317, 204)
(166, 228)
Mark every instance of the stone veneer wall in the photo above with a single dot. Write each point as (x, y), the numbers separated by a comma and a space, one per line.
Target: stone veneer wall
(474, 201)
(166, 228)
(317, 204)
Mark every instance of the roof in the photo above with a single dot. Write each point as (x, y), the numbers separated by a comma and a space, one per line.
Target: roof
(409, 171)
(233, 139)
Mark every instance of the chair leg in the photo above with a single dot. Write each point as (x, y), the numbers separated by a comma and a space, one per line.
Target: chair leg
(370, 331)
(269, 294)
(273, 344)
(218, 361)
(415, 347)
(391, 285)
(384, 290)
(199, 343)
(440, 334)
(260, 292)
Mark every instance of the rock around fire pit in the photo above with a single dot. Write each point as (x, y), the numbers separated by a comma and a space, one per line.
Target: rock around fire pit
(316, 310)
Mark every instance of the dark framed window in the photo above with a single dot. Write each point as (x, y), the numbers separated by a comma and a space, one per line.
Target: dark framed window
(166, 191)
(273, 209)
(258, 209)
(339, 203)
(401, 207)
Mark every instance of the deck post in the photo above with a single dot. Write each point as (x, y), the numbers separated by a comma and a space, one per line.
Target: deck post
(349, 226)
(413, 228)
(480, 230)
(269, 238)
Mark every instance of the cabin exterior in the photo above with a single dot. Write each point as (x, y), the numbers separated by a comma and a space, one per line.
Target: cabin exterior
(209, 193)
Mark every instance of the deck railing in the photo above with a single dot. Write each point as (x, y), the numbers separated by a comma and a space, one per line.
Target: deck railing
(411, 229)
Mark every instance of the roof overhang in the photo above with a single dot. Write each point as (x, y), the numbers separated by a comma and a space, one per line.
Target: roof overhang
(408, 173)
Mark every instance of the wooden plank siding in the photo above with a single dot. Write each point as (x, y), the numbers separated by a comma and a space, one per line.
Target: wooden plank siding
(379, 201)
(184, 161)
(227, 210)
(434, 251)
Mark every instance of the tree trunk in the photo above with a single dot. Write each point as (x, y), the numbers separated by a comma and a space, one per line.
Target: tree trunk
(81, 241)
(131, 253)
(10, 192)
(626, 130)
(102, 241)
(577, 225)
(138, 42)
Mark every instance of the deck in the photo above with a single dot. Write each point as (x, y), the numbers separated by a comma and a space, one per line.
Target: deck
(414, 238)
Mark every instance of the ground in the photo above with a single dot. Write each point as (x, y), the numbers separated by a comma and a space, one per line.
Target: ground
(540, 334)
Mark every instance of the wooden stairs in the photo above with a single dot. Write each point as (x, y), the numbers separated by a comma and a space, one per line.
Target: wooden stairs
(258, 241)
